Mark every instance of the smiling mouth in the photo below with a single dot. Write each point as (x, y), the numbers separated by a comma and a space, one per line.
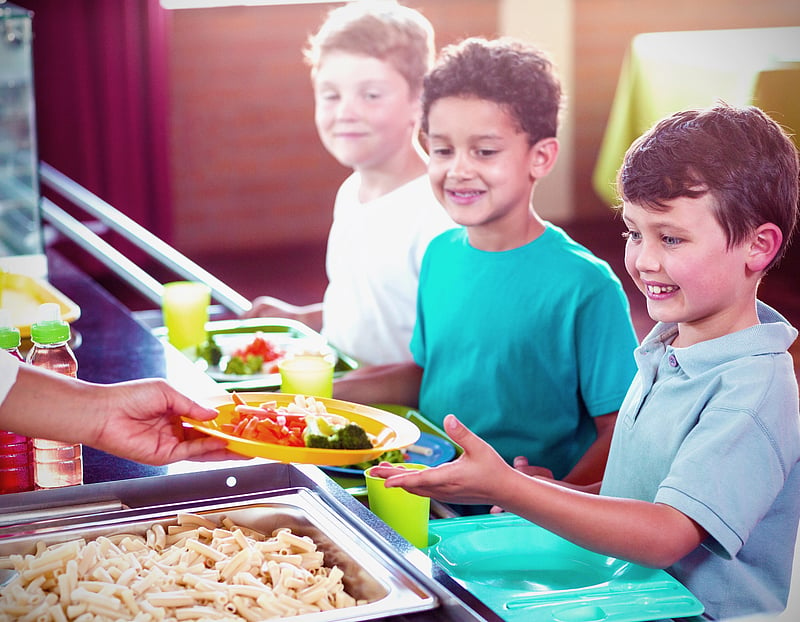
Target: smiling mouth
(658, 290)
(465, 194)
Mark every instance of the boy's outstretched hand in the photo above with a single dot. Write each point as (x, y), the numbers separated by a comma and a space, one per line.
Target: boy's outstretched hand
(470, 479)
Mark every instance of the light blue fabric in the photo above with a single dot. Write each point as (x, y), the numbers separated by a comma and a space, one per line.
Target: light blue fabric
(713, 430)
(524, 346)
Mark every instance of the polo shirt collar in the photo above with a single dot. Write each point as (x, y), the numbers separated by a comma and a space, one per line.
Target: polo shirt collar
(773, 335)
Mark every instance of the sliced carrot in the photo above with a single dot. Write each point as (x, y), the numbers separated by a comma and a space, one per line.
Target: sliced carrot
(255, 411)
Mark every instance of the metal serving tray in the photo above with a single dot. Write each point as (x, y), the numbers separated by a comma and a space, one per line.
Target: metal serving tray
(368, 576)
(379, 566)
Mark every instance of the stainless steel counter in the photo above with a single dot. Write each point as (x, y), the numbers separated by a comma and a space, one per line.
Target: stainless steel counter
(111, 345)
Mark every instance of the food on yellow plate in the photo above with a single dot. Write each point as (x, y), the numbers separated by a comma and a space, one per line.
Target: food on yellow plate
(385, 430)
(195, 569)
(305, 422)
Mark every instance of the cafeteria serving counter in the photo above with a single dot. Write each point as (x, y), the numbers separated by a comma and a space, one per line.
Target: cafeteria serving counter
(111, 345)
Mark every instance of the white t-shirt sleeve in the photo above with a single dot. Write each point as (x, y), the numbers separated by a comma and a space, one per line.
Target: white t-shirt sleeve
(9, 367)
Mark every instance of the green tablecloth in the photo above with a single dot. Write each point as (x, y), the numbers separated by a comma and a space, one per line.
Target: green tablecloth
(665, 72)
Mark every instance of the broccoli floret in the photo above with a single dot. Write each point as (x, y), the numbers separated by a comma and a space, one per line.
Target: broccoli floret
(235, 366)
(393, 456)
(253, 363)
(244, 367)
(352, 436)
(318, 441)
(210, 351)
(319, 433)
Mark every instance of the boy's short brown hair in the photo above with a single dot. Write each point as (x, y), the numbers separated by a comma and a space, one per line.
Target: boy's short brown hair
(739, 155)
(517, 76)
(381, 29)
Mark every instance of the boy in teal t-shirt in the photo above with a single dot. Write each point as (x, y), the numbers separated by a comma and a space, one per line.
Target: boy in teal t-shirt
(521, 332)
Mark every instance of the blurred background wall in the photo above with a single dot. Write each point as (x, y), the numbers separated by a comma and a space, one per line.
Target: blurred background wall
(199, 123)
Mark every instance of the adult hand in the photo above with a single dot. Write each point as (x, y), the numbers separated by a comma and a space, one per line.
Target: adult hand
(141, 420)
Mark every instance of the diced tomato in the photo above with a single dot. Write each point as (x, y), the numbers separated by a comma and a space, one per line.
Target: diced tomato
(260, 347)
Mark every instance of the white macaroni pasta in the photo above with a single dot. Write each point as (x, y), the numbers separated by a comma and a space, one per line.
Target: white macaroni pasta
(195, 570)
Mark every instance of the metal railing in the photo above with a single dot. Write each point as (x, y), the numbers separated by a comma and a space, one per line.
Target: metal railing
(135, 234)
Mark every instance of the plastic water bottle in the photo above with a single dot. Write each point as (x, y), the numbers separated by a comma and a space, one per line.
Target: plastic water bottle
(56, 464)
(16, 451)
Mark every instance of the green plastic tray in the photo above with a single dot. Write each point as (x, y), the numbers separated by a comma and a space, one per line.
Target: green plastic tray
(524, 572)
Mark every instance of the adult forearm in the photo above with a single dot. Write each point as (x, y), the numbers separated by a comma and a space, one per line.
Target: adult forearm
(45, 404)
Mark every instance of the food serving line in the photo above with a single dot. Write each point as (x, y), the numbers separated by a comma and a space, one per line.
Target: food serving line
(496, 567)
(394, 577)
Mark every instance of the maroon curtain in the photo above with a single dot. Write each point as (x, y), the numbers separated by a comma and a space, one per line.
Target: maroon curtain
(100, 73)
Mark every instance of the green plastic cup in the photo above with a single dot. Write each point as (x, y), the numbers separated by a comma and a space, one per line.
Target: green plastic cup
(403, 511)
(185, 309)
(307, 374)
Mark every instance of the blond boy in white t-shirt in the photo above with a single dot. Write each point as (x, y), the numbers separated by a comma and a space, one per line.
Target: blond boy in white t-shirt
(367, 64)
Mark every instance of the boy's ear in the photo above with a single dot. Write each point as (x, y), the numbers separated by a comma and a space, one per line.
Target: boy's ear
(764, 244)
(543, 156)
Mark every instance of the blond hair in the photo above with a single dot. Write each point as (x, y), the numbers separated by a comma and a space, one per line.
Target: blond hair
(382, 29)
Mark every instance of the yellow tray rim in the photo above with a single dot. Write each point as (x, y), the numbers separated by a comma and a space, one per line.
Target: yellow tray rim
(41, 291)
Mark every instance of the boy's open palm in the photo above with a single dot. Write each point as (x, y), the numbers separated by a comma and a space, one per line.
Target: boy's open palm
(471, 478)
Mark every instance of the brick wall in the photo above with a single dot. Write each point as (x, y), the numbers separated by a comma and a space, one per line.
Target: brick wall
(248, 170)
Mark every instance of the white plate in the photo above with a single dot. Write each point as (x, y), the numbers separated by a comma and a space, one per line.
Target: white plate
(230, 342)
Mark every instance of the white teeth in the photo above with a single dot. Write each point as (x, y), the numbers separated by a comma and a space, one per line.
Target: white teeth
(661, 289)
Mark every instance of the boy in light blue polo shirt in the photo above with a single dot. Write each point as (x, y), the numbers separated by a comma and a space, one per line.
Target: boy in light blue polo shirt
(702, 476)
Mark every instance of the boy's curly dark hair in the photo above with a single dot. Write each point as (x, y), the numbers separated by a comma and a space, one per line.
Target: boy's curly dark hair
(515, 75)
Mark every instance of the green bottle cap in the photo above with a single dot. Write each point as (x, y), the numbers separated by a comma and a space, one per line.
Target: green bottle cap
(9, 338)
(49, 327)
(9, 335)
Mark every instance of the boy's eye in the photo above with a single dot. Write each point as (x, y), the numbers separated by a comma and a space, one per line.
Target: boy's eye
(441, 151)
(485, 153)
(328, 96)
(671, 240)
(631, 236)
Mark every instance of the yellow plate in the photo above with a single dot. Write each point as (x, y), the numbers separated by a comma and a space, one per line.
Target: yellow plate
(22, 295)
(394, 431)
